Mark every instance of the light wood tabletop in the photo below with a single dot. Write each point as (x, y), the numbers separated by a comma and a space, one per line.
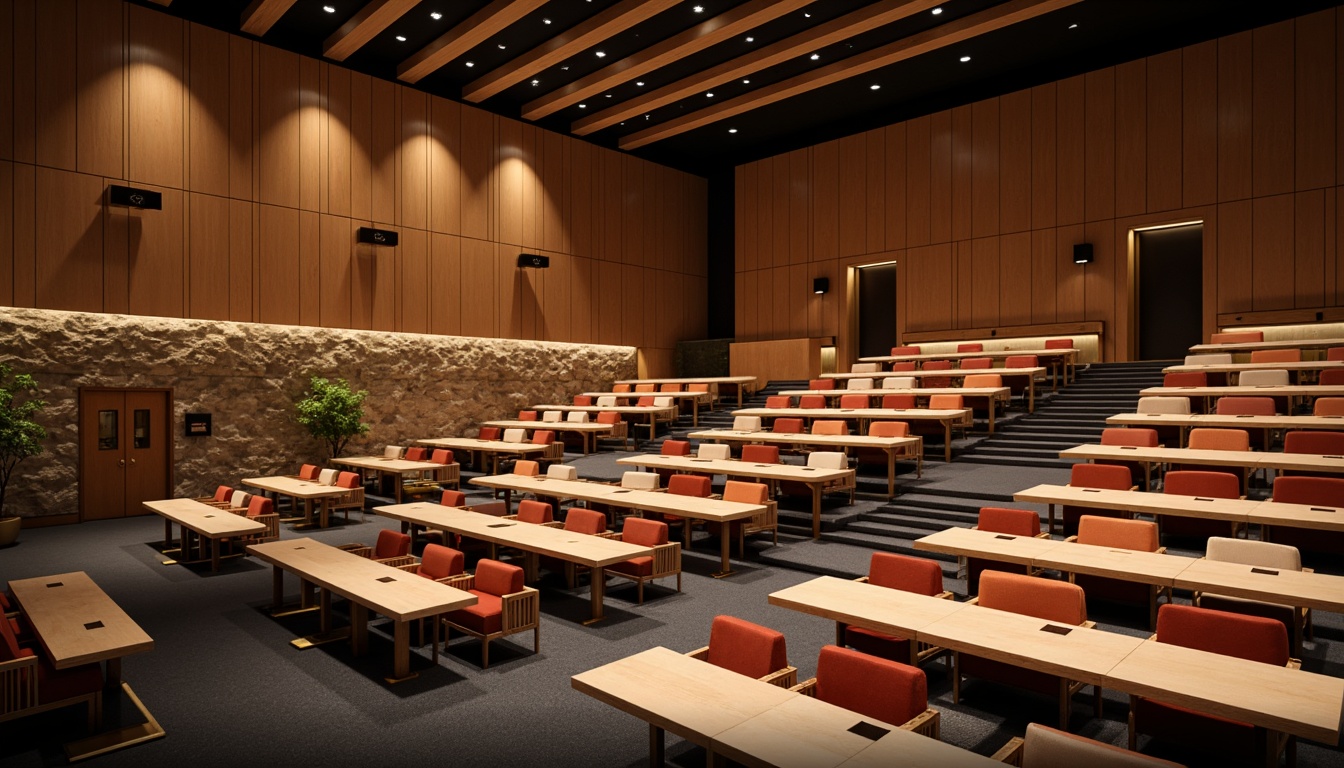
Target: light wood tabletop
(1275, 460)
(993, 354)
(77, 623)
(1305, 589)
(949, 418)
(1305, 365)
(1242, 421)
(993, 396)
(587, 430)
(1121, 564)
(889, 611)
(397, 469)
(898, 750)
(1035, 372)
(968, 542)
(694, 398)
(742, 383)
(907, 448)
(800, 732)
(492, 448)
(1278, 513)
(655, 413)
(209, 523)
(1266, 390)
(1251, 346)
(307, 491)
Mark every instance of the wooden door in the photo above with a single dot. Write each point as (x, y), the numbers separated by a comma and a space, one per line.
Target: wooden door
(125, 453)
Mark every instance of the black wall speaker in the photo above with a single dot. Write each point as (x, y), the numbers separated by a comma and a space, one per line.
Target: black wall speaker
(821, 285)
(377, 236)
(1082, 253)
(533, 260)
(135, 198)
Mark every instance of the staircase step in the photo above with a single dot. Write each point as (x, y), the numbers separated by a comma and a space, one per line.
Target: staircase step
(1014, 461)
(899, 514)
(890, 544)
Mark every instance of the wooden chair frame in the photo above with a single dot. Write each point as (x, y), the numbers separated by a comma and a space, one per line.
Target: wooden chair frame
(354, 499)
(920, 652)
(19, 694)
(620, 431)
(666, 562)
(365, 551)
(521, 612)
(271, 521)
(926, 723)
(786, 677)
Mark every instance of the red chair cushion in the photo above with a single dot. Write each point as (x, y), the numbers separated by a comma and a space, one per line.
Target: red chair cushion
(689, 485)
(442, 456)
(486, 617)
(761, 454)
(1106, 476)
(58, 684)
(347, 480)
(908, 574)
(1185, 379)
(821, 384)
(1191, 482)
(877, 644)
(1014, 522)
(416, 453)
(440, 562)
(1299, 441)
(1322, 491)
(535, 512)
(224, 492)
(260, 505)
(543, 437)
(1144, 438)
(644, 533)
(636, 566)
(1255, 406)
(588, 521)
(675, 448)
(499, 579)
(489, 433)
(873, 687)
(1254, 638)
(898, 402)
(1057, 601)
(391, 544)
(746, 648)
(453, 499)
(787, 426)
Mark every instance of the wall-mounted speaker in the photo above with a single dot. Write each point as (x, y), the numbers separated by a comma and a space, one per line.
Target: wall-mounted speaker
(1082, 253)
(821, 285)
(533, 261)
(373, 236)
(131, 197)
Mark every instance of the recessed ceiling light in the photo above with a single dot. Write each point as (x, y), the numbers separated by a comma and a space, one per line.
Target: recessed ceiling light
(965, 59)
(536, 82)
(471, 63)
(699, 9)
(807, 15)
(583, 106)
(545, 21)
(608, 95)
(501, 46)
(751, 39)
(435, 15)
(709, 95)
(815, 56)
(1073, 26)
(401, 38)
(732, 130)
(936, 11)
(746, 81)
(328, 9)
(640, 83)
(600, 54)
(874, 87)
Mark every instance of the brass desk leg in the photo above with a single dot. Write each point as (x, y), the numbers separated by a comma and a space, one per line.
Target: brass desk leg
(121, 738)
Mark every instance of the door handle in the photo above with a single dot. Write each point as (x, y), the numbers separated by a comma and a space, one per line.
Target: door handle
(121, 462)
(132, 462)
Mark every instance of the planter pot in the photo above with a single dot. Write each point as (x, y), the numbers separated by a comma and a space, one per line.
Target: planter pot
(9, 530)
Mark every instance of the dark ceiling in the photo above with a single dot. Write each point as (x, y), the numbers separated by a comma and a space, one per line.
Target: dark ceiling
(1054, 42)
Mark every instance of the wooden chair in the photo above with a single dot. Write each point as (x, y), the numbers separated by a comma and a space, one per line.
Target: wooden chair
(30, 684)
(1236, 337)
(854, 401)
(587, 522)
(762, 522)
(748, 649)
(534, 512)
(665, 560)
(223, 495)
(1248, 637)
(1017, 385)
(937, 382)
(555, 450)
(1316, 492)
(1115, 533)
(905, 350)
(882, 689)
(620, 431)
(1190, 482)
(262, 510)
(781, 401)
(907, 574)
(1328, 406)
(504, 606)
(1260, 554)
(971, 346)
(1102, 476)
(1045, 747)
(791, 426)
(1185, 379)
(1010, 522)
(1139, 438)
(1218, 439)
(441, 564)
(1308, 441)
(392, 548)
(353, 498)
(1044, 599)
(698, 486)
(812, 384)
(451, 474)
(824, 460)
(812, 401)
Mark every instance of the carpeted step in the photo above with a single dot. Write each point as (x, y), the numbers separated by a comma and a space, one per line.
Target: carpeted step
(892, 544)
(1015, 461)
(899, 514)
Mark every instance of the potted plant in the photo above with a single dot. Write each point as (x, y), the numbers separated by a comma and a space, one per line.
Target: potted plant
(332, 413)
(20, 436)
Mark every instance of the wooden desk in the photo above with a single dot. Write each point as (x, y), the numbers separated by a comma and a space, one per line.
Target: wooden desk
(1303, 589)
(595, 552)
(1277, 513)
(1251, 346)
(889, 611)
(305, 490)
(1306, 462)
(208, 523)
(948, 418)
(801, 732)
(992, 396)
(493, 448)
(1237, 368)
(967, 542)
(1068, 357)
(815, 479)
(713, 510)
(655, 413)
(894, 447)
(1213, 393)
(1186, 421)
(742, 383)
(1202, 507)
(695, 398)
(398, 468)
(895, 749)
(368, 585)
(586, 430)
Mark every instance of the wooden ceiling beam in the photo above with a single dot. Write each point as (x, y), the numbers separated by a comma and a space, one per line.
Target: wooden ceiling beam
(373, 18)
(741, 19)
(479, 27)
(164, 3)
(865, 19)
(953, 32)
(261, 15)
(604, 25)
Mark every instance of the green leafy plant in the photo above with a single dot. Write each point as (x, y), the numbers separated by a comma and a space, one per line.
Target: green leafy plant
(332, 412)
(20, 436)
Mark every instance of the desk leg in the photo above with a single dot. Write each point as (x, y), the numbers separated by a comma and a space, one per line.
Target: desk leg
(599, 584)
(947, 441)
(991, 414)
(725, 539)
(359, 629)
(214, 555)
(120, 738)
(1031, 393)
(695, 411)
(324, 611)
(277, 587)
(1050, 526)
(657, 755)
(396, 485)
(816, 510)
(113, 672)
(401, 659)
(167, 534)
(891, 473)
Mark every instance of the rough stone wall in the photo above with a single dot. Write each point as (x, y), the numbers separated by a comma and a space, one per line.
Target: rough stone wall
(248, 375)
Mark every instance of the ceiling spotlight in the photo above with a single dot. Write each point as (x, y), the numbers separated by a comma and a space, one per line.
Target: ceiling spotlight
(936, 11)
(583, 106)
(640, 83)
(709, 95)
(536, 82)
(1073, 26)
(874, 87)
(965, 59)
(564, 69)
(328, 9)
(732, 130)
(435, 15)
(815, 56)
(471, 63)
(699, 9)
(501, 46)
(600, 54)
(746, 81)
(608, 95)
(401, 38)
(751, 39)
(545, 21)
(807, 15)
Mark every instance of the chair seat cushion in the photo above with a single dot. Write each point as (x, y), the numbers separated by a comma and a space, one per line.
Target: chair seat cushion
(58, 684)
(635, 566)
(877, 644)
(1229, 740)
(484, 618)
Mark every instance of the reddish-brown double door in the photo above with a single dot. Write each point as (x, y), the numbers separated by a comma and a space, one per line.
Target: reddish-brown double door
(124, 451)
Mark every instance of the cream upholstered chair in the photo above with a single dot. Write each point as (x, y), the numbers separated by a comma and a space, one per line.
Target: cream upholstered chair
(239, 499)
(552, 416)
(562, 472)
(606, 401)
(1219, 358)
(325, 477)
(1150, 405)
(640, 481)
(1259, 554)
(515, 435)
(713, 451)
(577, 417)
(865, 368)
(663, 402)
(833, 460)
(862, 383)
(747, 423)
(1045, 747)
(393, 452)
(900, 382)
(1275, 377)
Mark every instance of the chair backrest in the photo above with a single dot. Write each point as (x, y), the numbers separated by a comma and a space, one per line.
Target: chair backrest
(689, 485)
(812, 401)
(713, 451)
(697, 386)
(795, 426)
(861, 383)
(1334, 353)
(543, 437)
(945, 402)
(259, 505)
(865, 368)
(747, 423)
(577, 417)
(562, 472)
(888, 429)
(348, 480)
(1022, 361)
(1045, 747)
(976, 363)
(488, 433)
(526, 467)
(1246, 406)
(983, 380)
(1276, 356)
(306, 472)
(1324, 443)
(1258, 553)
(663, 402)
(554, 416)
(515, 435)
(620, 388)
(871, 686)
(440, 562)
(778, 401)
(1218, 439)
(675, 448)
(224, 492)
(1236, 337)
(937, 365)
(908, 574)
(1231, 634)
(1151, 405)
(830, 427)
(1106, 476)
(606, 401)
(821, 383)
(529, 415)
(589, 521)
(328, 476)
(904, 365)
(1328, 406)
(441, 456)
(900, 382)
(827, 460)
(906, 350)
(971, 346)
(583, 400)
(746, 493)
(669, 387)
(239, 499)
(746, 648)
(1317, 491)
(1185, 379)
(498, 579)
(391, 544)
(898, 402)
(492, 508)
(1212, 358)
(646, 387)
(453, 498)
(1014, 522)
(640, 481)
(393, 452)
(761, 454)
(1059, 343)
(535, 512)
(1273, 377)
(1118, 533)
(1198, 482)
(644, 533)
(1143, 438)
(1033, 596)
(1332, 377)
(853, 401)
(608, 417)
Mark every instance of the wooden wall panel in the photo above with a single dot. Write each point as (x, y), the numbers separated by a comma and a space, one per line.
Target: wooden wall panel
(940, 177)
(1099, 145)
(1199, 124)
(55, 99)
(1314, 100)
(312, 136)
(853, 195)
(156, 99)
(101, 106)
(1070, 151)
(241, 148)
(7, 81)
(384, 143)
(1131, 138)
(875, 166)
(1272, 121)
(69, 241)
(1309, 279)
(1164, 131)
(1014, 274)
(208, 264)
(310, 267)
(825, 202)
(25, 79)
(207, 109)
(1272, 252)
(242, 223)
(963, 149)
(278, 127)
(335, 243)
(1234, 256)
(985, 168)
(25, 235)
(1043, 156)
(1043, 265)
(157, 276)
(895, 200)
(6, 230)
(1070, 292)
(1234, 117)
(413, 267)
(1015, 190)
(278, 276)
(917, 189)
(984, 282)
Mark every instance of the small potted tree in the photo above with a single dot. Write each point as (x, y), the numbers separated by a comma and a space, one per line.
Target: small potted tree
(332, 413)
(20, 437)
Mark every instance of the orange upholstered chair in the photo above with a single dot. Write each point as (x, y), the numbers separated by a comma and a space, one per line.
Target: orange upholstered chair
(1045, 599)
(1276, 356)
(32, 684)
(442, 456)
(526, 468)
(748, 649)
(937, 381)
(1059, 343)
(887, 691)
(812, 401)
(669, 387)
(1185, 379)
(973, 346)
(1236, 337)
(583, 399)
(391, 548)
(620, 388)
(262, 510)
(871, 456)
(820, 384)
(646, 387)
(309, 472)
(1012, 522)
(1189, 482)
(791, 426)
(761, 454)
(898, 402)
(946, 402)
(223, 496)
(503, 606)
(906, 350)
(684, 485)
(1114, 533)
(438, 563)
(1111, 477)
(978, 380)
(1328, 406)
(907, 574)
(353, 499)
(830, 427)
(1022, 361)
(853, 401)
(665, 560)
(1218, 439)
(416, 453)
(903, 365)
(1312, 491)
(1246, 406)
(976, 363)
(1246, 637)
(534, 512)
(527, 415)
(488, 433)
(748, 492)
(1139, 438)
(675, 448)
(779, 401)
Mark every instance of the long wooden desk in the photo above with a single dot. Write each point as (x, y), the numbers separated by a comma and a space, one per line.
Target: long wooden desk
(587, 430)
(1305, 462)
(655, 413)
(1251, 346)
(815, 479)
(368, 585)
(397, 469)
(694, 398)
(948, 418)
(993, 396)
(209, 523)
(306, 490)
(1186, 421)
(1237, 368)
(894, 447)
(742, 383)
(712, 510)
(77, 623)
(492, 448)
(1068, 357)
(595, 552)
(1213, 393)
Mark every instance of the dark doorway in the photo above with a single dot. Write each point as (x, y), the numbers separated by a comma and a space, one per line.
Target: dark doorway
(877, 309)
(1171, 291)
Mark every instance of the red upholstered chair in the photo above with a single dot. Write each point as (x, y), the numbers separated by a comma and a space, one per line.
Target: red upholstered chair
(1104, 476)
(1139, 438)
(307, 472)
(684, 485)
(488, 433)
(675, 448)
(645, 402)
(1059, 343)
(1046, 599)
(976, 363)
(1012, 522)
(816, 384)
(1247, 637)
(795, 426)
(646, 387)
(527, 415)
(1258, 554)
(503, 606)
(353, 497)
(748, 649)
(535, 512)
(442, 456)
(620, 430)
(1206, 484)
(887, 691)
(853, 401)
(1276, 356)
(262, 510)
(31, 684)
(907, 574)
(972, 346)
(438, 563)
(1247, 406)
(766, 521)
(812, 401)
(761, 454)
(1236, 337)
(1217, 439)
(1316, 492)
(224, 494)
(898, 402)
(669, 387)
(1185, 379)
(830, 427)
(583, 399)
(620, 387)
(937, 381)
(1114, 533)
(1334, 353)
(391, 548)
(1017, 385)
(416, 453)
(453, 499)
(1320, 443)
(878, 457)
(904, 365)
(779, 401)
(1046, 747)
(665, 560)
(1332, 377)
(1328, 406)
(906, 350)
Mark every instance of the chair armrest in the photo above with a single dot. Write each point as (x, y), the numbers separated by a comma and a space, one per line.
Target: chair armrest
(1088, 625)
(945, 595)
(974, 600)
(397, 562)
(1133, 487)
(463, 581)
(509, 517)
(862, 579)
(553, 524)
(520, 609)
(1294, 664)
(608, 535)
(701, 654)
(19, 663)
(925, 723)
(409, 567)
(363, 550)
(1043, 535)
(808, 687)
(1010, 753)
(1160, 550)
(784, 678)
(667, 557)
(1308, 570)
(1072, 539)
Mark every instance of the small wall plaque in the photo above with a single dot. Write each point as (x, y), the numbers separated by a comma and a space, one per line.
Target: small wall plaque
(198, 424)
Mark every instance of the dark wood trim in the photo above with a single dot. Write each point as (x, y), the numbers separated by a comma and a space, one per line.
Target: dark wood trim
(1282, 317)
(373, 18)
(1004, 332)
(261, 15)
(478, 28)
